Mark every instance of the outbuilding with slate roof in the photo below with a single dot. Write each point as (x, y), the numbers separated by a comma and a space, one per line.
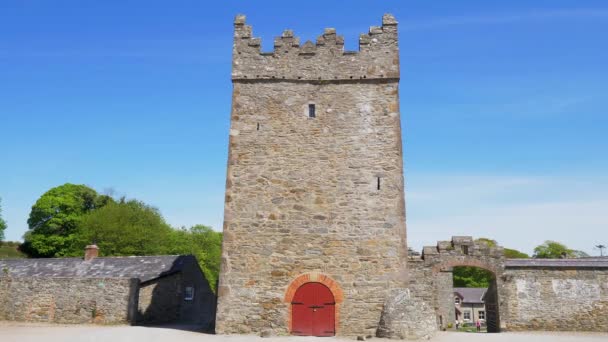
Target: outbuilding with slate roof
(106, 290)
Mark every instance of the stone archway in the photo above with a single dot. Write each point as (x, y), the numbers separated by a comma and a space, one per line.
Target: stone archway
(439, 262)
(313, 277)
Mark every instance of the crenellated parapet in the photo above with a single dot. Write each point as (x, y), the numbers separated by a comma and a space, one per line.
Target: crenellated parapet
(464, 251)
(323, 60)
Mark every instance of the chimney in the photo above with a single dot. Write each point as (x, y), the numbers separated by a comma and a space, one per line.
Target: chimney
(91, 252)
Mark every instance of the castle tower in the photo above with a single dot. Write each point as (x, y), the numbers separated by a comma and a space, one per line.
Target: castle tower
(314, 220)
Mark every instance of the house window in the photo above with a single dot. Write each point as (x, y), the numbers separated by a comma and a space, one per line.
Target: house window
(457, 300)
(311, 111)
(481, 314)
(189, 293)
(465, 250)
(467, 315)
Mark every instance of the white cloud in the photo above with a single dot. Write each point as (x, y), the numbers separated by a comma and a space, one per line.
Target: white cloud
(520, 213)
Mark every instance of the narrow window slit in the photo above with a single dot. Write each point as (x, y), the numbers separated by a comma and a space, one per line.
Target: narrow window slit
(258, 128)
(311, 111)
(378, 185)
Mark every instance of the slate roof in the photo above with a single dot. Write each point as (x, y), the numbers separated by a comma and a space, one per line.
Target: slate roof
(471, 295)
(592, 262)
(144, 268)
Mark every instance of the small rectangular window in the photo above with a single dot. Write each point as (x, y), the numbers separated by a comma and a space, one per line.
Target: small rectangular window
(311, 111)
(467, 315)
(481, 314)
(465, 250)
(189, 293)
(456, 300)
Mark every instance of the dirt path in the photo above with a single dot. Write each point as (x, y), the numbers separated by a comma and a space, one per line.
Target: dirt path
(10, 332)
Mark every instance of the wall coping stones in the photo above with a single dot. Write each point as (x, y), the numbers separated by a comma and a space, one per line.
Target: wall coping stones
(557, 263)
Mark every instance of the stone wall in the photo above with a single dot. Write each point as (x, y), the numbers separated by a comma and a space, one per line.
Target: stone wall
(160, 300)
(431, 277)
(68, 300)
(377, 58)
(200, 310)
(550, 298)
(527, 294)
(319, 195)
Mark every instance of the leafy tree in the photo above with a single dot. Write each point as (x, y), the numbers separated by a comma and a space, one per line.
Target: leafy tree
(55, 217)
(515, 254)
(553, 250)
(466, 276)
(489, 242)
(124, 228)
(2, 223)
(205, 244)
(10, 250)
(509, 253)
(579, 254)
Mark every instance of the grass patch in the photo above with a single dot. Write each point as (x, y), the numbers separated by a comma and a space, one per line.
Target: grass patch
(10, 251)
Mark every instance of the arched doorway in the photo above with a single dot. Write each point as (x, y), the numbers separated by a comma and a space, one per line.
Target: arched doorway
(475, 298)
(313, 310)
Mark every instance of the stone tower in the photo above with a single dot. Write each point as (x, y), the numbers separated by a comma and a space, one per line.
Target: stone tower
(314, 188)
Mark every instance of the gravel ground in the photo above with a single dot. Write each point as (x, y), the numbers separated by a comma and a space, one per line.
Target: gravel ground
(84, 333)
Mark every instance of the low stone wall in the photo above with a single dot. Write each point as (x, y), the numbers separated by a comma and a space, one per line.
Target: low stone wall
(68, 300)
(550, 298)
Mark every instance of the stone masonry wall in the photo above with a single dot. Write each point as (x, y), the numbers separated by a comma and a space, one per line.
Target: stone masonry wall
(556, 299)
(302, 193)
(68, 300)
(326, 59)
(160, 300)
(431, 277)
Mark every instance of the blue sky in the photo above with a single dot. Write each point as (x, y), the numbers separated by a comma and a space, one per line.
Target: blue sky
(503, 108)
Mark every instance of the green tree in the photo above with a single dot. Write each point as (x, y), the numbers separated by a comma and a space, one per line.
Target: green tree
(205, 244)
(2, 223)
(553, 250)
(466, 276)
(55, 217)
(515, 254)
(488, 242)
(124, 228)
(508, 252)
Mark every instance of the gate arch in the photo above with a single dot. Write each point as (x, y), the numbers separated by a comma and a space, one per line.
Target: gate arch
(464, 251)
(313, 277)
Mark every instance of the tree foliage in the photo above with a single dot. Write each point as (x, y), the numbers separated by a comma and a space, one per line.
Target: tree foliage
(466, 276)
(515, 254)
(488, 242)
(124, 228)
(508, 252)
(2, 223)
(553, 250)
(133, 228)
(55, 218)
(205, 244)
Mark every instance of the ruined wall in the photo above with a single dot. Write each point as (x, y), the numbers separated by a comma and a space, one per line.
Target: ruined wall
(302, 193)
(550, 298)
(68, 300)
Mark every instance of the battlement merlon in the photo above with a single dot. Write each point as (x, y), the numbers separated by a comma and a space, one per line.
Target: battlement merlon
(377, 58)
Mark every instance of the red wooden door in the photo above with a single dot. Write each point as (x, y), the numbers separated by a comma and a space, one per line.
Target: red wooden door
(313, 311)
